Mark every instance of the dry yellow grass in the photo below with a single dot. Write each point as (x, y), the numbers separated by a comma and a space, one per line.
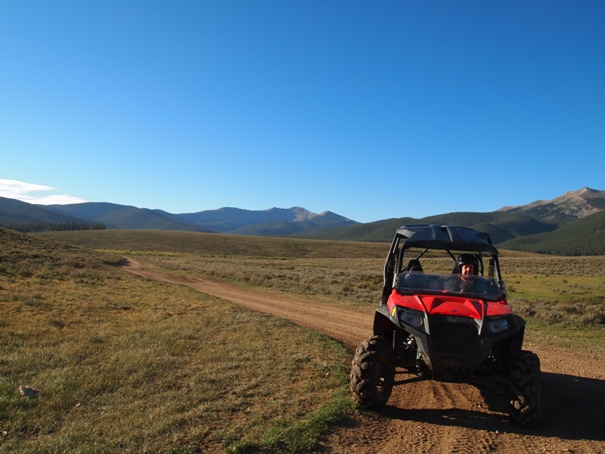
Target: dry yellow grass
(563, 295)
(127, 365)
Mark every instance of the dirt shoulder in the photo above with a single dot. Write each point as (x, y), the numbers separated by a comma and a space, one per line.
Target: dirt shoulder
(435, 417)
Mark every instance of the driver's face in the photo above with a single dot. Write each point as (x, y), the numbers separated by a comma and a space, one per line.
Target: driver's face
(466, 270)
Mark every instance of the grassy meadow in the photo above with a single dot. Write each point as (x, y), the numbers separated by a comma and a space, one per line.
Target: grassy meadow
(124, 364)
(128, 365)
(564, 296)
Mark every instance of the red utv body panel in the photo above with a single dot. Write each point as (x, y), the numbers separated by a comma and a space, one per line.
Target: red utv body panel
(458, 306)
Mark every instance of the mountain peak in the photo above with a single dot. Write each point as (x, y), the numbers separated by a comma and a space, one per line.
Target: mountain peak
(333, 216)
(301, 214)
(573, 204)
(577, 193)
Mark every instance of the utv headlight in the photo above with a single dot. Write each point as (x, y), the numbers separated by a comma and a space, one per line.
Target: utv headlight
(410, 319)
(497, 326)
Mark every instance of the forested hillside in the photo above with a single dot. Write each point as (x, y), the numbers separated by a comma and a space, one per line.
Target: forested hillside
(583, 237)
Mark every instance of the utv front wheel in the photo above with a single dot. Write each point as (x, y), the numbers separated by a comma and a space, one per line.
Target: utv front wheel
(373, 372)
(524, 389)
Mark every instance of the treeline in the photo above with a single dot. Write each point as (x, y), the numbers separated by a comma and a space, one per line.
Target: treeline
(28, 227)
(573, 248)
(583, 237)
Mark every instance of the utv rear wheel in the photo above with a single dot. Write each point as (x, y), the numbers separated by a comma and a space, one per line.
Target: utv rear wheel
(373, 372)
(524, 389)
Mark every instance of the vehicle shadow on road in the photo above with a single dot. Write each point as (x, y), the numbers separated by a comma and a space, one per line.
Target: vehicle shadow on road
(572, 409)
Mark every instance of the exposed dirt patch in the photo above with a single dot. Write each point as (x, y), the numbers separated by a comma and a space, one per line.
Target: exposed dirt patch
(435, 417)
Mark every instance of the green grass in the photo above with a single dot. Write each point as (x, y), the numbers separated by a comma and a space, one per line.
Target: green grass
(564, 296)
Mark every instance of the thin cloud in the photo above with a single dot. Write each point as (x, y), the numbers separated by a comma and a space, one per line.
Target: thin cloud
(26, 192)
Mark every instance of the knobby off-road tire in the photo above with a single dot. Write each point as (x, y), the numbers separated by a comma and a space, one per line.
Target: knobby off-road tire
(373, 372)
(524, 389)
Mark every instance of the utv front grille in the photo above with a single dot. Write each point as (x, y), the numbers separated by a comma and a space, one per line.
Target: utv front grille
(455, 334)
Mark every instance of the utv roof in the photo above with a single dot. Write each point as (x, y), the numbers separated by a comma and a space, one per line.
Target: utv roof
(448, 237)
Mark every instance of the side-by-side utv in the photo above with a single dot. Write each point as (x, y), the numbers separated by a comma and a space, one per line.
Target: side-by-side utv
(444, 316)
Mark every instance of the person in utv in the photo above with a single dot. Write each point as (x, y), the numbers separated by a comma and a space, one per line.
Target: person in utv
(465, 276)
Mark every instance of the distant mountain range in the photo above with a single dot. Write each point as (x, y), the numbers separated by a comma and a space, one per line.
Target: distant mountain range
(572, 224)
(273, 222)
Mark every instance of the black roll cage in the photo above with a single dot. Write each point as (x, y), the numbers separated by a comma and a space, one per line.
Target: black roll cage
(440, 237)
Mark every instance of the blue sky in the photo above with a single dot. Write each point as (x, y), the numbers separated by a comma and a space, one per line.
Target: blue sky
(373, 110)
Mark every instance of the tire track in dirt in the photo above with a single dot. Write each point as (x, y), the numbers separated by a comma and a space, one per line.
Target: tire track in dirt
(435, 417)
(342, 325)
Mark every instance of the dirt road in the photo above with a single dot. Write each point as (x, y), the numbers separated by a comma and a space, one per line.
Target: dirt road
(434, 417)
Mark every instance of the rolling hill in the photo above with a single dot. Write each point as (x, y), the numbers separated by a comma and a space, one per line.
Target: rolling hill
(22, 216)
(116, 216)
(585, 236)
(272, 222)
(570, 224)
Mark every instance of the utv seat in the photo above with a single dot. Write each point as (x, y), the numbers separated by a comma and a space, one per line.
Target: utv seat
(413, 266)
